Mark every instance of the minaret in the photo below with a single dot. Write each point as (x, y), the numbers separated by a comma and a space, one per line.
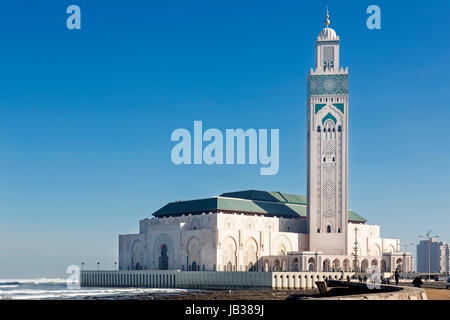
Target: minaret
(327, 163)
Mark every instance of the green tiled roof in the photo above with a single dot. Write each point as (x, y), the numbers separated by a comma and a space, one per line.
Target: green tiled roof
(266, 196)
(251, 201)
(353, 216)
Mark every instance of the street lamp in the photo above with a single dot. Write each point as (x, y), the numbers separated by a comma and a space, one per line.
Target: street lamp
(98, 266)
(428, 237)
(115, 265)
(355, 251)
(82, 265)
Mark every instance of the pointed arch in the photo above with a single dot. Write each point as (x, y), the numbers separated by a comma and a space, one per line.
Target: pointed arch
(329, 116)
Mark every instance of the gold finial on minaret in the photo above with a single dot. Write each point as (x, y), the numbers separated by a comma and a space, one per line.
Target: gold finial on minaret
(327, 20)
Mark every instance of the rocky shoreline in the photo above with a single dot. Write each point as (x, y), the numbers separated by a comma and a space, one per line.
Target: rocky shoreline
(215, 295)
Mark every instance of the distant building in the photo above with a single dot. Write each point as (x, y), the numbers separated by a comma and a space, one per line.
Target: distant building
(433, 256)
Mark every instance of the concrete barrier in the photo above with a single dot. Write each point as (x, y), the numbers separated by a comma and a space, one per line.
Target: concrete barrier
(407, 293)
(206, 279)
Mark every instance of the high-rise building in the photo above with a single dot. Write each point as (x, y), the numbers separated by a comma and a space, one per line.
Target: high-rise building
(432, 256)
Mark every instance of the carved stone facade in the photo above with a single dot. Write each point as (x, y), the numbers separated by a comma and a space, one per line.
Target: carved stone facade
(327, 110)
(272, 231)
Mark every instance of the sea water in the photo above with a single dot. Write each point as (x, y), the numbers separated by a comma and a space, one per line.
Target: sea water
(55, 288)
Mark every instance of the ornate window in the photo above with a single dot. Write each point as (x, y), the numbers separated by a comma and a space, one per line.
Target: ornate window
(328, 58)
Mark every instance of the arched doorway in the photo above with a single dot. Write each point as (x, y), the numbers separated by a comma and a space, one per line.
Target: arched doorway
(194, 266)
(326, 265)
(383, 266)
(355, 265)
(277, 265)
(138, 266)
(296, 265)
(346, 265)
(229, 255)
(336, 265)
(284, 265)
(364, 265)
(251, 254)
(266, 266)
(399, 265)
(311, 264)
(163, 258)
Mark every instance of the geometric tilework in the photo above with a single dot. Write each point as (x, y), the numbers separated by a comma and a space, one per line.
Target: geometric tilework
(328, 84)
(328, 116)
(339, 106)
(319, 106)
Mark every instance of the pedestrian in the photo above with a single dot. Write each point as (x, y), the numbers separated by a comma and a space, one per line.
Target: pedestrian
(397, 277)
(417, 282)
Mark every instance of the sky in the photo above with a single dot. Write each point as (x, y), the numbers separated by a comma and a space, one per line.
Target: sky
(86, 115)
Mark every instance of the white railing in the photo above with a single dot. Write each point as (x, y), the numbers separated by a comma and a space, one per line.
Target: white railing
(207, 279)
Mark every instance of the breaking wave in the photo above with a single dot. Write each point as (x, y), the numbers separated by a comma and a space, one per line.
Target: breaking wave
(55, 288)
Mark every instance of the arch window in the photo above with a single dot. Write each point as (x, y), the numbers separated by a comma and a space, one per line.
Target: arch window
(163, 258)
(329, 129)
(328, 229)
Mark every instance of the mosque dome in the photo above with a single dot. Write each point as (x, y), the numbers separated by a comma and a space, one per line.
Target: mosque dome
(327, 33)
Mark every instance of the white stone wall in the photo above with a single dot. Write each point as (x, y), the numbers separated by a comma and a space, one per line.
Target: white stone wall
(239, 242)
(370, 242)
(212, 241)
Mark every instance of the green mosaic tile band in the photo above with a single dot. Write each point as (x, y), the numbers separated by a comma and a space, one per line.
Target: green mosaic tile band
(328, 84)
(329, 116)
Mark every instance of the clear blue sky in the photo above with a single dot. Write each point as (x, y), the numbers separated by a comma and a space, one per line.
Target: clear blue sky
(86, 116)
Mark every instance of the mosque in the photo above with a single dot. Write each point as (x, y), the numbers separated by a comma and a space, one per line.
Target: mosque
(261, 231)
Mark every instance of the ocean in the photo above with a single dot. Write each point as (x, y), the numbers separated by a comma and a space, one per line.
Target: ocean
(48, 288)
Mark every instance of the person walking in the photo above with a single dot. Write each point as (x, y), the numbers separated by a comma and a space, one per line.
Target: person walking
(397, 277)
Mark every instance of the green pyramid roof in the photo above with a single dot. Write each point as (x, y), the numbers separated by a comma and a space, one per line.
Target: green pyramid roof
(272, 204)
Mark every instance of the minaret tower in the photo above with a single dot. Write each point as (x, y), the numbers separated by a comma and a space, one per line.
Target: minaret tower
(327, 137)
